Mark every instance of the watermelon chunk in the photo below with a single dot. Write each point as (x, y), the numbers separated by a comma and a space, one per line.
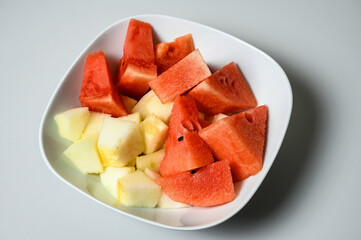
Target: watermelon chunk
(178, 79)
(168, 54)
(133, 78)
(97, 91)
(239, 139)
(184, 149)
(209, 186)
(137, 67)
(226, 91)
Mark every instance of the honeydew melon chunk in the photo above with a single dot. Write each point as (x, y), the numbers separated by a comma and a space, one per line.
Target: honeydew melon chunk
(71, 123)
(120, 141)
(152, 174)
(134, 117)
(167, 202)
(84, 155)
(150, 104)
(110, 176)
(94, 124)
(129, 103)
(162, 111)
(150, 161)
(164, 200)
(136, 189)
(154, 132)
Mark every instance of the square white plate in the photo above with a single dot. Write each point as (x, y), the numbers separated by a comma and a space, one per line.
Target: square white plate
(266, 78)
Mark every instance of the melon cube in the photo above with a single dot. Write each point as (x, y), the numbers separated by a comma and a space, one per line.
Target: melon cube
(110, 176)
(150, 161)
(95, 124)
(136, 189)
(84, 155)
(152, 174)
(71, 123)
(134, 117)
(150, 104)
(154, 132)
(167, 202)
(119, 142)
(129, 103)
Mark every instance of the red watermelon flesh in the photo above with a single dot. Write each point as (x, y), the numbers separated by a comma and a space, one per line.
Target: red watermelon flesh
(97, 91)
(181, 77)
(226, 91)
(138, 44)
(203, 123)
(137, 67)
(184, 149)
(133, 78)
(209, 186)
(239, 139)
(184, 117)
(168, 54)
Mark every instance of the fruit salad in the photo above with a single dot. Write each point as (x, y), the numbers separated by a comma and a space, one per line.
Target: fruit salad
(164, 131)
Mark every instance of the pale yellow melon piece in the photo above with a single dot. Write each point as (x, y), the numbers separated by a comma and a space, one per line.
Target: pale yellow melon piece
(84, 155)
(71, 123)
(94, 124)
(138, 190)
(119, 142)
(134, 117)
(150, 104)
(154, 132)
(110, 176)
(151, 161)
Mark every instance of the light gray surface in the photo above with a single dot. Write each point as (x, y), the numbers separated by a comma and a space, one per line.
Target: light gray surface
(313, 189)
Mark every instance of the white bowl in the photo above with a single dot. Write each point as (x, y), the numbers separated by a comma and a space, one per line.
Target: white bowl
(267, 79)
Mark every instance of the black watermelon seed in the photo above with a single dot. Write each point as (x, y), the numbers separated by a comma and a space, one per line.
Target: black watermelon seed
(193, 171)
(180, 138)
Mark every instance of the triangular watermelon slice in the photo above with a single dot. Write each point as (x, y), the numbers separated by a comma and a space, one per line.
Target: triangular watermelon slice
(97, 90)
(184, 149)
(168, 54)
(209, 186)
(137, 67)
(239, 139)
(225, 91)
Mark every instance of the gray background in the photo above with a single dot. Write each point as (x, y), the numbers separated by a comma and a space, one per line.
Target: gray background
(311, 192)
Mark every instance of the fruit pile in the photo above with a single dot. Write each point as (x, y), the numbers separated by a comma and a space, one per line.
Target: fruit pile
(165, 132)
